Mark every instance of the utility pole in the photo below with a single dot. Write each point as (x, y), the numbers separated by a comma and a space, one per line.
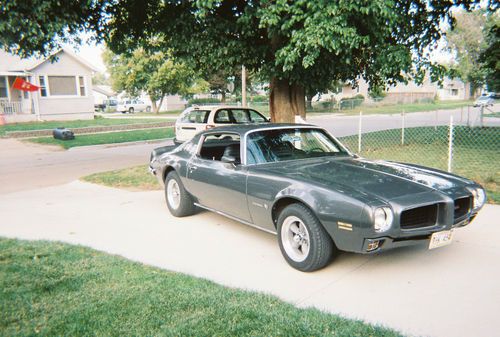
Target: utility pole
(243, 86)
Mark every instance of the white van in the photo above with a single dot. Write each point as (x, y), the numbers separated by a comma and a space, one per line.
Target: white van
(199, 118)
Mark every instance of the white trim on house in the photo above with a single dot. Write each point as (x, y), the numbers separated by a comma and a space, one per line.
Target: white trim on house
(69, 53)
(77, 87)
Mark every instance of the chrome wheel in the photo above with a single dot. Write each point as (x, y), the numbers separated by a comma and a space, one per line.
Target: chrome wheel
(173, 194)
(295, 239)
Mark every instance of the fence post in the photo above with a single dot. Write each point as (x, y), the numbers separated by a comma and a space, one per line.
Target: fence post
(403, 128)
(481, 117)
(359, 131)
(450, 144)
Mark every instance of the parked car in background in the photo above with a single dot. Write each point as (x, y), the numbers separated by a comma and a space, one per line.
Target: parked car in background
(299, 182)
(199, 118)
(107, 104)
(132, 105)
(484, 101)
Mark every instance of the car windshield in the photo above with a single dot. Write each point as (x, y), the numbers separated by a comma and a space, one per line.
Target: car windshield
(289, 144)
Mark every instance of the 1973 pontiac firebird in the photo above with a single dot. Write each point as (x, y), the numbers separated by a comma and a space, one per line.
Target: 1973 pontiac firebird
(301, 183)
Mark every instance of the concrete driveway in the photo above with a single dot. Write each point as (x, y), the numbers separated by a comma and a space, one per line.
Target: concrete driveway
(451, 291)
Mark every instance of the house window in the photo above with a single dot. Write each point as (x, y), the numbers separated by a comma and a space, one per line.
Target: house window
(3, 87)
(81, 82)
(43, 86)
(62, 85)
(454, 92)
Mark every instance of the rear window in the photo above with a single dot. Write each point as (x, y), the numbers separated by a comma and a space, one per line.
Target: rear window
(196, 116)
(238, 116)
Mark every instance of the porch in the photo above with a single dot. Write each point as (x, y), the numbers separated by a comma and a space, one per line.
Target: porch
(13, 101)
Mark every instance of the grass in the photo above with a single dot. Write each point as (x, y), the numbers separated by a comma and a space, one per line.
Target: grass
(55, 289)
(107, 138)
(71, 124)
(132, 178)
(395, 108)
(475, 151)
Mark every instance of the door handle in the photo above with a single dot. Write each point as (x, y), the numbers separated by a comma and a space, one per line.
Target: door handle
(192, 168)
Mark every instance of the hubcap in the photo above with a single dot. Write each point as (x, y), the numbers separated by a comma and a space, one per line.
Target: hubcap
(295, 238)
(173, 194)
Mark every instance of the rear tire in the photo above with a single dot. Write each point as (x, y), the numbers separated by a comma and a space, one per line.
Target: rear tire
(148, 109)
(130, 110)
(179, 201)
(303, 241)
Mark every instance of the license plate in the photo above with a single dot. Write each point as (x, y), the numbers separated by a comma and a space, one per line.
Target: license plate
(440, 239)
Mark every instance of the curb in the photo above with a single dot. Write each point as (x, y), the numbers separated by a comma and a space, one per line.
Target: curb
(138, 142)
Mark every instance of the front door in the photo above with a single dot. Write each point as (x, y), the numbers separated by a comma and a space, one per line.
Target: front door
(218, 185)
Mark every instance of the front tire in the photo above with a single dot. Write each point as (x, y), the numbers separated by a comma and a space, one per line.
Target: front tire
(179, 201)
(303, 241)
(148, 109)
(130, 110)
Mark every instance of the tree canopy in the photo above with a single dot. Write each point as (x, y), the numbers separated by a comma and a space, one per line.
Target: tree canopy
(295, 44)
(155, 73)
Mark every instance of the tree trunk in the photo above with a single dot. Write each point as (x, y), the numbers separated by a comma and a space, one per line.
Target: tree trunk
(159, 105)
(286, 101)
(223, 96)
(309, 99)
(154, 106)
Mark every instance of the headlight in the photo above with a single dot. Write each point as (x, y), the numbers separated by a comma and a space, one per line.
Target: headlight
(479, 197)
(382, 219)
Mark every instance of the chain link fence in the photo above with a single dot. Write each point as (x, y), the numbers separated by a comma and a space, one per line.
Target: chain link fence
(465, 145)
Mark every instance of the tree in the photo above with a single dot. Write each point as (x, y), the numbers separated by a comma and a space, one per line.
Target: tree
(490, 57)
(292, 43)
(155, 73)
(100, 79)
(466, 41)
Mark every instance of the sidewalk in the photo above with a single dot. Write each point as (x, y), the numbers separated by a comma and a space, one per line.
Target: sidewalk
(452, 291)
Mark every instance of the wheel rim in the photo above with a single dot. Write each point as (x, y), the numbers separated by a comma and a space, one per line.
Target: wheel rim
(295, 238)
(173, 194)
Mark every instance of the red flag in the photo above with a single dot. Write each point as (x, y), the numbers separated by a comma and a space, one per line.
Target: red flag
(23, 85)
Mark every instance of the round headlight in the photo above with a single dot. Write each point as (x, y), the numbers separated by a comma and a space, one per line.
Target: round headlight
(382, 219)
(479, 197)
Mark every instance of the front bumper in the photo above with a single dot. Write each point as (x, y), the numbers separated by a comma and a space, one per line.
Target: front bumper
(386, 242)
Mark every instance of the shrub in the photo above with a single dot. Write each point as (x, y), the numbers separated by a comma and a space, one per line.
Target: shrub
(207, 100)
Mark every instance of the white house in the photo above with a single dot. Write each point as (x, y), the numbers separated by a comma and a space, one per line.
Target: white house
(65, 88)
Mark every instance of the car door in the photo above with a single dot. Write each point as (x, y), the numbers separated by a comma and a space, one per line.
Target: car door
(191, 123)
(217, 185)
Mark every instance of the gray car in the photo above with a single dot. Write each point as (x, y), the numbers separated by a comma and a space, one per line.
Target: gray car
(299, 182)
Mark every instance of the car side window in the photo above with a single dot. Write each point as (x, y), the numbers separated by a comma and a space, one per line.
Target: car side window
(195, 116)
(256, 117)
(217, 145)
(222, 117)
(240, 116)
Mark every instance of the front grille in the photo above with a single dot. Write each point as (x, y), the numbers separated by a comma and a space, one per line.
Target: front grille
(419, 217)
(462, 207)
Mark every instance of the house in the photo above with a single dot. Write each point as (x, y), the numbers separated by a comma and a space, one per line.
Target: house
(450, 89)
(65, 93)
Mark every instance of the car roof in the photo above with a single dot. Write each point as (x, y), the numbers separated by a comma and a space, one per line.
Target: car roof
(242, 129)
(212, 107)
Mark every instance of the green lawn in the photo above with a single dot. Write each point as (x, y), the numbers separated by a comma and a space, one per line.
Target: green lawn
(108, 137)
(72, 124)
(475, 154)
(395, 108)
(55, 289)
(132, 178)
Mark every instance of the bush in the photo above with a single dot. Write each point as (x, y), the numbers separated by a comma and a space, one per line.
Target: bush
(207, 100)
(351, 103)
(259, 98)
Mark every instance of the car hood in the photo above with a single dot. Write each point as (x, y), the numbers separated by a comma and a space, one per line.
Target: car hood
(386, 180)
